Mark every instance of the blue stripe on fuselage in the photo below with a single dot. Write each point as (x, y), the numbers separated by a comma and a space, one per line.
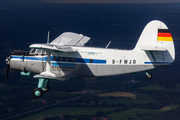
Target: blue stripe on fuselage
(157, 63)
(63, 59)
(63, 64)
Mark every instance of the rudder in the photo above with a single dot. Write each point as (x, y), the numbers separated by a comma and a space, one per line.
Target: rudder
(156, 38)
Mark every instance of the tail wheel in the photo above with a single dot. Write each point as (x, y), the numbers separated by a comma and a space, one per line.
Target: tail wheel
(45, 89)
(149, 76)
(37, 92)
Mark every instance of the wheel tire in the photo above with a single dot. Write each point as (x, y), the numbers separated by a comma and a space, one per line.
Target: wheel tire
(46, 89)
(149, 76)
(37, 92)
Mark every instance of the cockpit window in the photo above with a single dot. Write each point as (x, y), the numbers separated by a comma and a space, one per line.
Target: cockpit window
(37, 51)
(32, 50)
(43, 52)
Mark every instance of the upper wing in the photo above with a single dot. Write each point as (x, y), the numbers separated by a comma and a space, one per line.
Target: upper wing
(64, 42)
(70, 39)
(50, 47)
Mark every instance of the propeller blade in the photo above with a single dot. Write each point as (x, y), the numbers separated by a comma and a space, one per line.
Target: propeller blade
(6, 53)
(10, 48)
(10, 51)
(8, 61)
(7, 72)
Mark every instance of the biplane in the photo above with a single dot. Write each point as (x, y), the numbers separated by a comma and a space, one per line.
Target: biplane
(68, 57)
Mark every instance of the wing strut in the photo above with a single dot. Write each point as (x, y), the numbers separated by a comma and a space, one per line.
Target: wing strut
(108, 44)
(48, 37)
(48, 72)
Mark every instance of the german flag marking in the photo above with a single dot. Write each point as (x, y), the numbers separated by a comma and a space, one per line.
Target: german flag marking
(165, 39)
(164, 35)
(163, 31)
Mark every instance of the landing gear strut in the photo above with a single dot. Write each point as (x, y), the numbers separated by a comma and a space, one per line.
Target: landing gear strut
(148, 75)
(42, 88)
(45, 89)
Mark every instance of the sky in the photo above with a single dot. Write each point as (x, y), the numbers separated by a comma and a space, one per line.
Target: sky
(84, 1)
(32, 3)
(109, 1)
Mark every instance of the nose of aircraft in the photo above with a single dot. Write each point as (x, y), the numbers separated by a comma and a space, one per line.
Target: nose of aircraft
(9, 60)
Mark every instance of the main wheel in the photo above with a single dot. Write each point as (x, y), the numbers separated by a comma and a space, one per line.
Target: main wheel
(37, 92)
(149, 76)
(45, 89)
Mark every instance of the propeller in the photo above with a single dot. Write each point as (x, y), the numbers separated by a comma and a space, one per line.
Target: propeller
(8, 57)
(7, 72)
(8, 63)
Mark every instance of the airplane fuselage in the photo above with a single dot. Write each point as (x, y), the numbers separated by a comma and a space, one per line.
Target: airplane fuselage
(88, 61)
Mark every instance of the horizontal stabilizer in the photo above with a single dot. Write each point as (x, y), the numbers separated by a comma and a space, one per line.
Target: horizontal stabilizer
(50, 47)
(153, 48)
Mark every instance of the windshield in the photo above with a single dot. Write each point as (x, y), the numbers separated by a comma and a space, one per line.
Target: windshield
(37, 51)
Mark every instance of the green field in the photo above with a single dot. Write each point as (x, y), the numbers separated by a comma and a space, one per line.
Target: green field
(159, 88)
(140, 99)
(169, 107)
(69, 110)
(118, 94)
(132, 113)
(145, 97)
(133, 107)
(127, 102)
(151, 88)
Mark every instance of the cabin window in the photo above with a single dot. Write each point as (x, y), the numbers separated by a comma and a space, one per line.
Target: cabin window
(72, 59)
(91, 61)
(67, 59)
(60, 59)
(54, 58)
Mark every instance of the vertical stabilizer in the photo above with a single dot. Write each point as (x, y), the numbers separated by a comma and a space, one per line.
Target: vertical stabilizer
(156, 38)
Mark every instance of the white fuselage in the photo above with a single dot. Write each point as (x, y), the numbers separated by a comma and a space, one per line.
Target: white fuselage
(110, 61)
(90, 61)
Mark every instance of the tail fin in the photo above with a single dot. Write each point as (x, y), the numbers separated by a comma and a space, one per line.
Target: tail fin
(157, 39)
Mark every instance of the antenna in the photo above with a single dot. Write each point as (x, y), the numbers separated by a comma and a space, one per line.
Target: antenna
(108, 44)
(48, 37)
